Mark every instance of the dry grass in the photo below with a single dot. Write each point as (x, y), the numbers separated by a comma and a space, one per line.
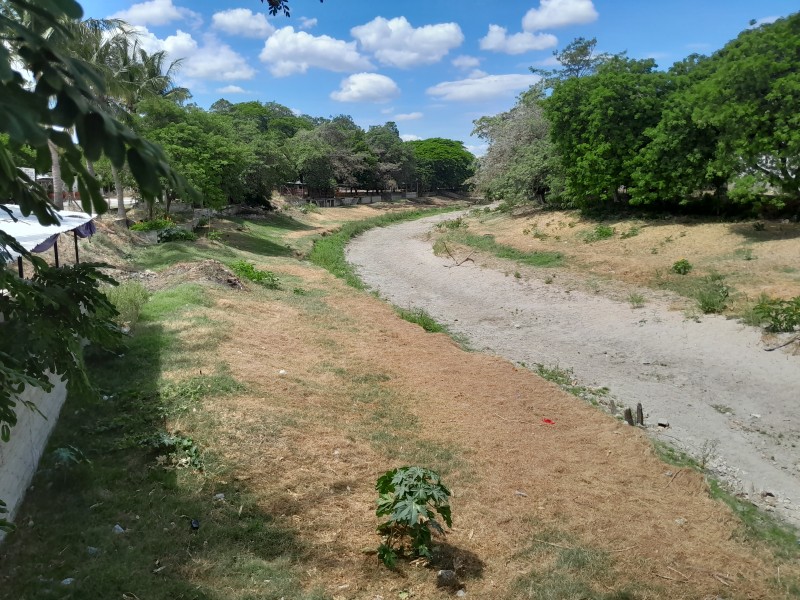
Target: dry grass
(752, 260)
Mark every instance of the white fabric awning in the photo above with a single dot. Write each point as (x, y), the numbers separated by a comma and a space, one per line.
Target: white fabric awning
(30, 233)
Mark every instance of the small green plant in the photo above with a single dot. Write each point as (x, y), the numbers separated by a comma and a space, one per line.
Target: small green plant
(759, 226)
(214, 236)
(600, 232)
(539, 235)
(712, 296)
(248, 270)
(309, 207)
(176, 234)
(175, 450)
(778, 315)
(636, 300)
(128, 298)
(152, 225)
(410, 497)
(517, 275)
(746, 253)
(682, 267)
(421, 318)
(632, 232)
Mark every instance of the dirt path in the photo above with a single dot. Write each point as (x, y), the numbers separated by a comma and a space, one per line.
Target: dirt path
(723, 395)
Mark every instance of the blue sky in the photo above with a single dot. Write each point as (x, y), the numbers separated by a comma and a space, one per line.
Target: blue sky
(433, 66)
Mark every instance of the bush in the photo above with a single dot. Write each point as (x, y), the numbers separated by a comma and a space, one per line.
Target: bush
(601, 232)
(128, 298)
(410, 497)
(712, 297)
(778, 315)
(682, 267)
(247, 270)
(152, 225)
(176, 234)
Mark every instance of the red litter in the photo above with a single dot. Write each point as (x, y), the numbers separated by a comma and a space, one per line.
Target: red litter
(548, 422)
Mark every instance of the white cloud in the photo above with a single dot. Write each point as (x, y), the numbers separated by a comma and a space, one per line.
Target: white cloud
(550, 61)
(306, 23)
(231, 89)
(395, 42)
(409, 137)
(477, 149)
(211, 60)
(475, 73)
(408, 116)
(155, 12)
(366, 87)
(466, 62)
(242, 22)
(498, 40)
(488, 87)
(288, 51)
(559, 13)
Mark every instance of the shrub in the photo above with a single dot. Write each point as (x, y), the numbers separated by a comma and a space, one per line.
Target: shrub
(128, 298)
(682, 267)
(712, 297)
(152, 225)
(778, 315)
(176, 234)
(410, 497)
(248, 270)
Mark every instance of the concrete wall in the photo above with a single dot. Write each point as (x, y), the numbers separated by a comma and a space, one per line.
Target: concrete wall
(19, 457)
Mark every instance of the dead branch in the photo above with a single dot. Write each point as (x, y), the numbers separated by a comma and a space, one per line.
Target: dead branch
(791, 341)
(456, 262)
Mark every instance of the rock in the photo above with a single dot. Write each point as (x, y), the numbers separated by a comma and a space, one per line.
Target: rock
(681, 522)
(461, 593)
(282, 372)
(92, 551)
(663, 423)
(194, 524)
(68, 581)
(446, 578)
(118, 529)
(219, 497)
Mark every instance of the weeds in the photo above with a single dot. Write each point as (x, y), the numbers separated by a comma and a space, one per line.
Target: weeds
(248, 270)
(487, 243)
(452, 224)
(600, 232)
(421, 318)
(176, 234)
(152, 225)
(128, 298)
(636, 300)
(565, 379)
(778, 316)
(632, 232)
(712, 296)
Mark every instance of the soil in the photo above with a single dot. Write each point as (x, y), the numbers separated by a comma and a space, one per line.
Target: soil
(726, 401)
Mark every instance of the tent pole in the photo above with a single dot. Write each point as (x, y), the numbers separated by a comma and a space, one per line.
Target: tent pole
(55, 251)
(77, 258)
(19, 266)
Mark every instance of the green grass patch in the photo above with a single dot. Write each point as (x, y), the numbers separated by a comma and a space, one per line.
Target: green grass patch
(328, 252)
(711, 292)
(421, 318)
(569, 569)
(487, 243)
(248, 270)
(600, 232)
(174, 301)
(565, 379)
(128, 298)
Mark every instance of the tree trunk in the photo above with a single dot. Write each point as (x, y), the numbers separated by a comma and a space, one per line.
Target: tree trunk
(120, 192)
(55, 171)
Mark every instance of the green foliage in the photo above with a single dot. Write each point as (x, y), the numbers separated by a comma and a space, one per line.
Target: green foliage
(152, 225)
(176, 234)
(600, 232)
(682, 267)
(410, 497)
(128, 299)
(55, 312)
(632, 232)
(778, 315)
(636, 300)
(248, 270)
(458, 223)
(442, 163)
(421, 318)
(712, 296)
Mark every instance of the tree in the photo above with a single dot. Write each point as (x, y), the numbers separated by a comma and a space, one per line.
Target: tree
(393, 160)
(577, 59)
(598, 123)
(521, 163)
(442, 163)
(752, 97)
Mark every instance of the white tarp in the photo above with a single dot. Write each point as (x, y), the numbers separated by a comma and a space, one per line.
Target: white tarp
(30, 233)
